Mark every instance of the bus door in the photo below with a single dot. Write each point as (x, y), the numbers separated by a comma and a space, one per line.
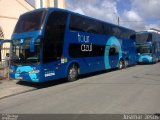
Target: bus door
(54, 39)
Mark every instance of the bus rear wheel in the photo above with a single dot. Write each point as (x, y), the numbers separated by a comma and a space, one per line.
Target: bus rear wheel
(72, 73)
(121, 65)
(126, 63)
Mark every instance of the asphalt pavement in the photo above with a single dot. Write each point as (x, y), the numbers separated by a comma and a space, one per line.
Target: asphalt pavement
(132, 90)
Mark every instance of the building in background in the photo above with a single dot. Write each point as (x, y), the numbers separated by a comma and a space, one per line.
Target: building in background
(49, 3)
(10, 11)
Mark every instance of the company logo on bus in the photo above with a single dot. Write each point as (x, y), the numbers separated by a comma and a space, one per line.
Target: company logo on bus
(86, 45)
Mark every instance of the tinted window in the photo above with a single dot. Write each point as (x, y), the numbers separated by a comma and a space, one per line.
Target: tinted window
(149, 37)
(108, 29)
(113, 30)
(54, 36)
(133, 36)
(30, 22)
(76, 51)
(113, 51)
(154, 47)
(143, 37)
(84, 24)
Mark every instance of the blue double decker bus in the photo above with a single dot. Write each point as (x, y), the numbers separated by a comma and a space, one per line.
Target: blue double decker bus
(148, 47)
(52, 43)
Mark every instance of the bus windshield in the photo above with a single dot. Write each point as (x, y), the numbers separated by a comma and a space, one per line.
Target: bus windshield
(30, 22)
(142, 38)
(22, 53)
(144, 49)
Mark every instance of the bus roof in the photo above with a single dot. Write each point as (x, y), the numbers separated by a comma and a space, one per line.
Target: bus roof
(145, 32)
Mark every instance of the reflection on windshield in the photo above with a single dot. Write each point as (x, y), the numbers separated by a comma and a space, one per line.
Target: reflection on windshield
(143, 37)
(21, 52)
(30, 22)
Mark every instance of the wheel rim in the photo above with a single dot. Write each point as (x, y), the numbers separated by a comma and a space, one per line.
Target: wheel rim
(120, 65)
(126, 63)
(73, 73)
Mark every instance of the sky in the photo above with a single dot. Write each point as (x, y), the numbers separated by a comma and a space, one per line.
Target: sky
(135, 14)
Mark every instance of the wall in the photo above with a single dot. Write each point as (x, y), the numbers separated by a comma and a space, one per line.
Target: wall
(10, 10)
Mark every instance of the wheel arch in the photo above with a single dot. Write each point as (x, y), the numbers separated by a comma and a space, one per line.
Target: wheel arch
(71, 63)
(121, 59)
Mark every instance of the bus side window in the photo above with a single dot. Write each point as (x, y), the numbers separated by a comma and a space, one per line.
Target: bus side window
(113, 51)
(133, 36)
(84, 24)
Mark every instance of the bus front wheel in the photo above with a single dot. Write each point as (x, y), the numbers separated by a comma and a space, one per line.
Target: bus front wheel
(72, 73)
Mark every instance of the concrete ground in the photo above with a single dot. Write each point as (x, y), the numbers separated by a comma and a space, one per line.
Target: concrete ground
(132, 90)
(12, 87)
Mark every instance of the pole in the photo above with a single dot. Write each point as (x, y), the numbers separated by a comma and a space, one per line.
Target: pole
(118, 21)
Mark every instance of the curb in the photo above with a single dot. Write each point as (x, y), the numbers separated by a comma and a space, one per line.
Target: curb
(16, 94)
(10, 88)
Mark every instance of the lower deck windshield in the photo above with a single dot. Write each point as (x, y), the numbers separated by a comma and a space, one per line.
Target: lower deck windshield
(144, 49)
(22, 54)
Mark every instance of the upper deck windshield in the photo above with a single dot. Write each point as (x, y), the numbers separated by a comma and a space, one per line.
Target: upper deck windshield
(143, 37)
(30, 22)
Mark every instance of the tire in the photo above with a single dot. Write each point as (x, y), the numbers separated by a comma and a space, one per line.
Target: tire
(121, 65)
(156, 60)
(72, 74)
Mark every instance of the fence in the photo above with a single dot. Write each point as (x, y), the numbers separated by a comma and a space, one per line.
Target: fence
(3, 69)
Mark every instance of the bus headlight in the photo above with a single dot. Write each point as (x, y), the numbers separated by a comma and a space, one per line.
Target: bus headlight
(34, 72)
(151, 58)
